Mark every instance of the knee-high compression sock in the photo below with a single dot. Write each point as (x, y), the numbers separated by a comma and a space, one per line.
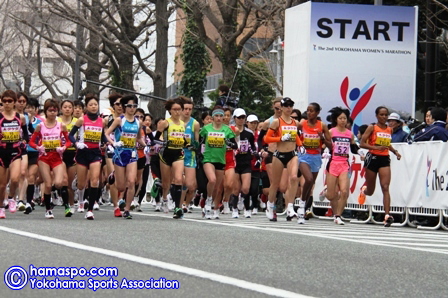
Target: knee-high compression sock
(29, 193)
(47, 201)
(177, 194)
(64, 195)
(81, 193)
(309, 203)
(246, 198)
(93, 196)
(86, 194)
(234, 202)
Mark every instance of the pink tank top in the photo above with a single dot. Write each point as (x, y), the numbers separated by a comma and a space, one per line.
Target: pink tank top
(51, 137)
(341, 144)
(92, 130)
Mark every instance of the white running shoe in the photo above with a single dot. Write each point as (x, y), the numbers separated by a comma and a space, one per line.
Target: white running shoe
(165, 206)
(255, 211)
(171, 205)
(72, 209)
(96, 206)
(301, 213)
(81, 208)
(133, 205)
(247, 213)
(89, 215)
(338, 221)
(226, 210)
(208, 212)
(21, 206)
(290, 213)
(158, 207)
(235, 213)
(49, 214)
(240, 204)
(262, 205)
(215, 214)
(270, 212)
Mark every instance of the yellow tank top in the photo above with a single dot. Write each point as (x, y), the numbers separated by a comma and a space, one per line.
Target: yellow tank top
(175, 134)
(69, 128)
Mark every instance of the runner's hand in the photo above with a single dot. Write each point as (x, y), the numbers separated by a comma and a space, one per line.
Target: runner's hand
(118, 144)
(286, 137)
(81, 145)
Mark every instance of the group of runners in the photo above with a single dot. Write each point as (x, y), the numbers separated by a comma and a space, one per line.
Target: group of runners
(227, 162)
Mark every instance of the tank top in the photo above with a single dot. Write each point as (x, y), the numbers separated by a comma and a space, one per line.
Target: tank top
(90, 132)
(34, 123)
(175, 134)
(69, 127)
(11, 131)
(310, 137)
(285, 128)
(189, 136)
(127, 133)
(51, 137)
(380, 137)
(341, 144)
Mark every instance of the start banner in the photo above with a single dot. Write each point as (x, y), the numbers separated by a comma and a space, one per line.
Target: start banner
(419, 179)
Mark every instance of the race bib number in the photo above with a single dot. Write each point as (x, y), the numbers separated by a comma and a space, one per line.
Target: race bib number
(188, 138)
(10, 135)
(383, 139)
(51, 143)
(129, 140)
(216, 139)
(311, 141)
(176, 140)
(243, 146)
(292, 130)
(92, 134)
(341, 148)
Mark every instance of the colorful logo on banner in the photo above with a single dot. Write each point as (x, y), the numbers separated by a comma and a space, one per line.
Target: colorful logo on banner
(356, 100)
(428, 166)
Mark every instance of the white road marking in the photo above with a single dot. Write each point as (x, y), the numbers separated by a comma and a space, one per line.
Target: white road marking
(163, 265)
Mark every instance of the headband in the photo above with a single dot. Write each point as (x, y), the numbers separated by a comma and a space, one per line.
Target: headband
(218, 112)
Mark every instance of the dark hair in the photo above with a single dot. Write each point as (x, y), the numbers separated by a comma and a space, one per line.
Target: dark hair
(141, 111)
(78, 103)
(378, 109)
(20, 94)
(299, 114)
(33, 102)
(9, 93)
(438, 114)
(362, 129)
(69, 101)
(187, 101)
(127, 98)
(204, 115)
(224, 89)
(335, 113)
(89, 97)
(157, 122)
(177, 100)
(50, 103)
(113, 97)
(147, 115)
(316, 106)
(225, 109)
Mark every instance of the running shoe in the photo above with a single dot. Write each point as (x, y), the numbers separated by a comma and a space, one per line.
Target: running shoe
(240, 204)
(12, 205)
(338, 221)
(158, 207)
(362, 196)
(165, 206)
(121, 204)
(388, 220)
(127, 215)
(190, 209)
(96, 206)
(32, 204)
(155, 189)
(117, 212)
(235, 213)
(290, 213)
(226, 210)
(81, 208)
(28, 209)
(21, 206)
(184, 208)
(308, 214)
(72, 209)
(133, 205)
(271, 213)
(178, 213)
(68, 211)
(86, 205)
(301, 213)
(208, 211)
(89, 215)
(49, 214)
(255, 211)
(105, 195)
(171, 205)
(262, 205)
(2, 213)
(247, 213)
(215, 214)
(138, 208)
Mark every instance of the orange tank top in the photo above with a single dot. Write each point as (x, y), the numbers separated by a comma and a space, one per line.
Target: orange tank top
(284, 128)
(380, 137)
(310, 137)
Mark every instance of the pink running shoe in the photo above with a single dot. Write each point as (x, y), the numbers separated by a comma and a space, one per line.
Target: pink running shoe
(2, 213)
(12, 205)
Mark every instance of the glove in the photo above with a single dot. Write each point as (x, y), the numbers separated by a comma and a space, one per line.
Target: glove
(161, 143)
(118, 144)
(286, 137)
(147, 150)
(231, 144)
(326, 155)
(81, 145)
(301, 150)
(60, 150)
(110, 149)
(41, 150)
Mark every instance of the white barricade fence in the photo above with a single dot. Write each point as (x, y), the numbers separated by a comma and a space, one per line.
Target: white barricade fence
(419, 179)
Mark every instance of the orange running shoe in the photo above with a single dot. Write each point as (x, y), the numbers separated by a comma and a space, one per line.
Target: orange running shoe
(362, 196)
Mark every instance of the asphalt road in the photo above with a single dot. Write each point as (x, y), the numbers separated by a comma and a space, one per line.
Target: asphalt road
(228, 257)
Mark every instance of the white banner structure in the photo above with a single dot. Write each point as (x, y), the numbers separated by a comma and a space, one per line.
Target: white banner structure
(354, 56)
(419, 179)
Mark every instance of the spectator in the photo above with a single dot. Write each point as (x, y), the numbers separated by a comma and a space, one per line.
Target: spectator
(435, 131)
(223, 91)
(396, 123)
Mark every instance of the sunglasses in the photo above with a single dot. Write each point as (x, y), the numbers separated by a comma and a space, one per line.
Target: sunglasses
(295, 117)
(21, 101)
(117, 104)
(130, 105)
(7, 100)
(288, 105)
(141, 117)
(277, 109)
(241, 117)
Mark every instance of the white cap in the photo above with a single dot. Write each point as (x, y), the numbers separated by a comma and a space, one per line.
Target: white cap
(239, 112)
(394, 116)
(252, 118)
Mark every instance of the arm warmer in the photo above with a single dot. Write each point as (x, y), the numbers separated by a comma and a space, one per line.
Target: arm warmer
(32, 142)
(68, 144)
(25, 135)
(260, 138)
(103, 138)
(72, 134)
(354, 148)
(269, 138)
